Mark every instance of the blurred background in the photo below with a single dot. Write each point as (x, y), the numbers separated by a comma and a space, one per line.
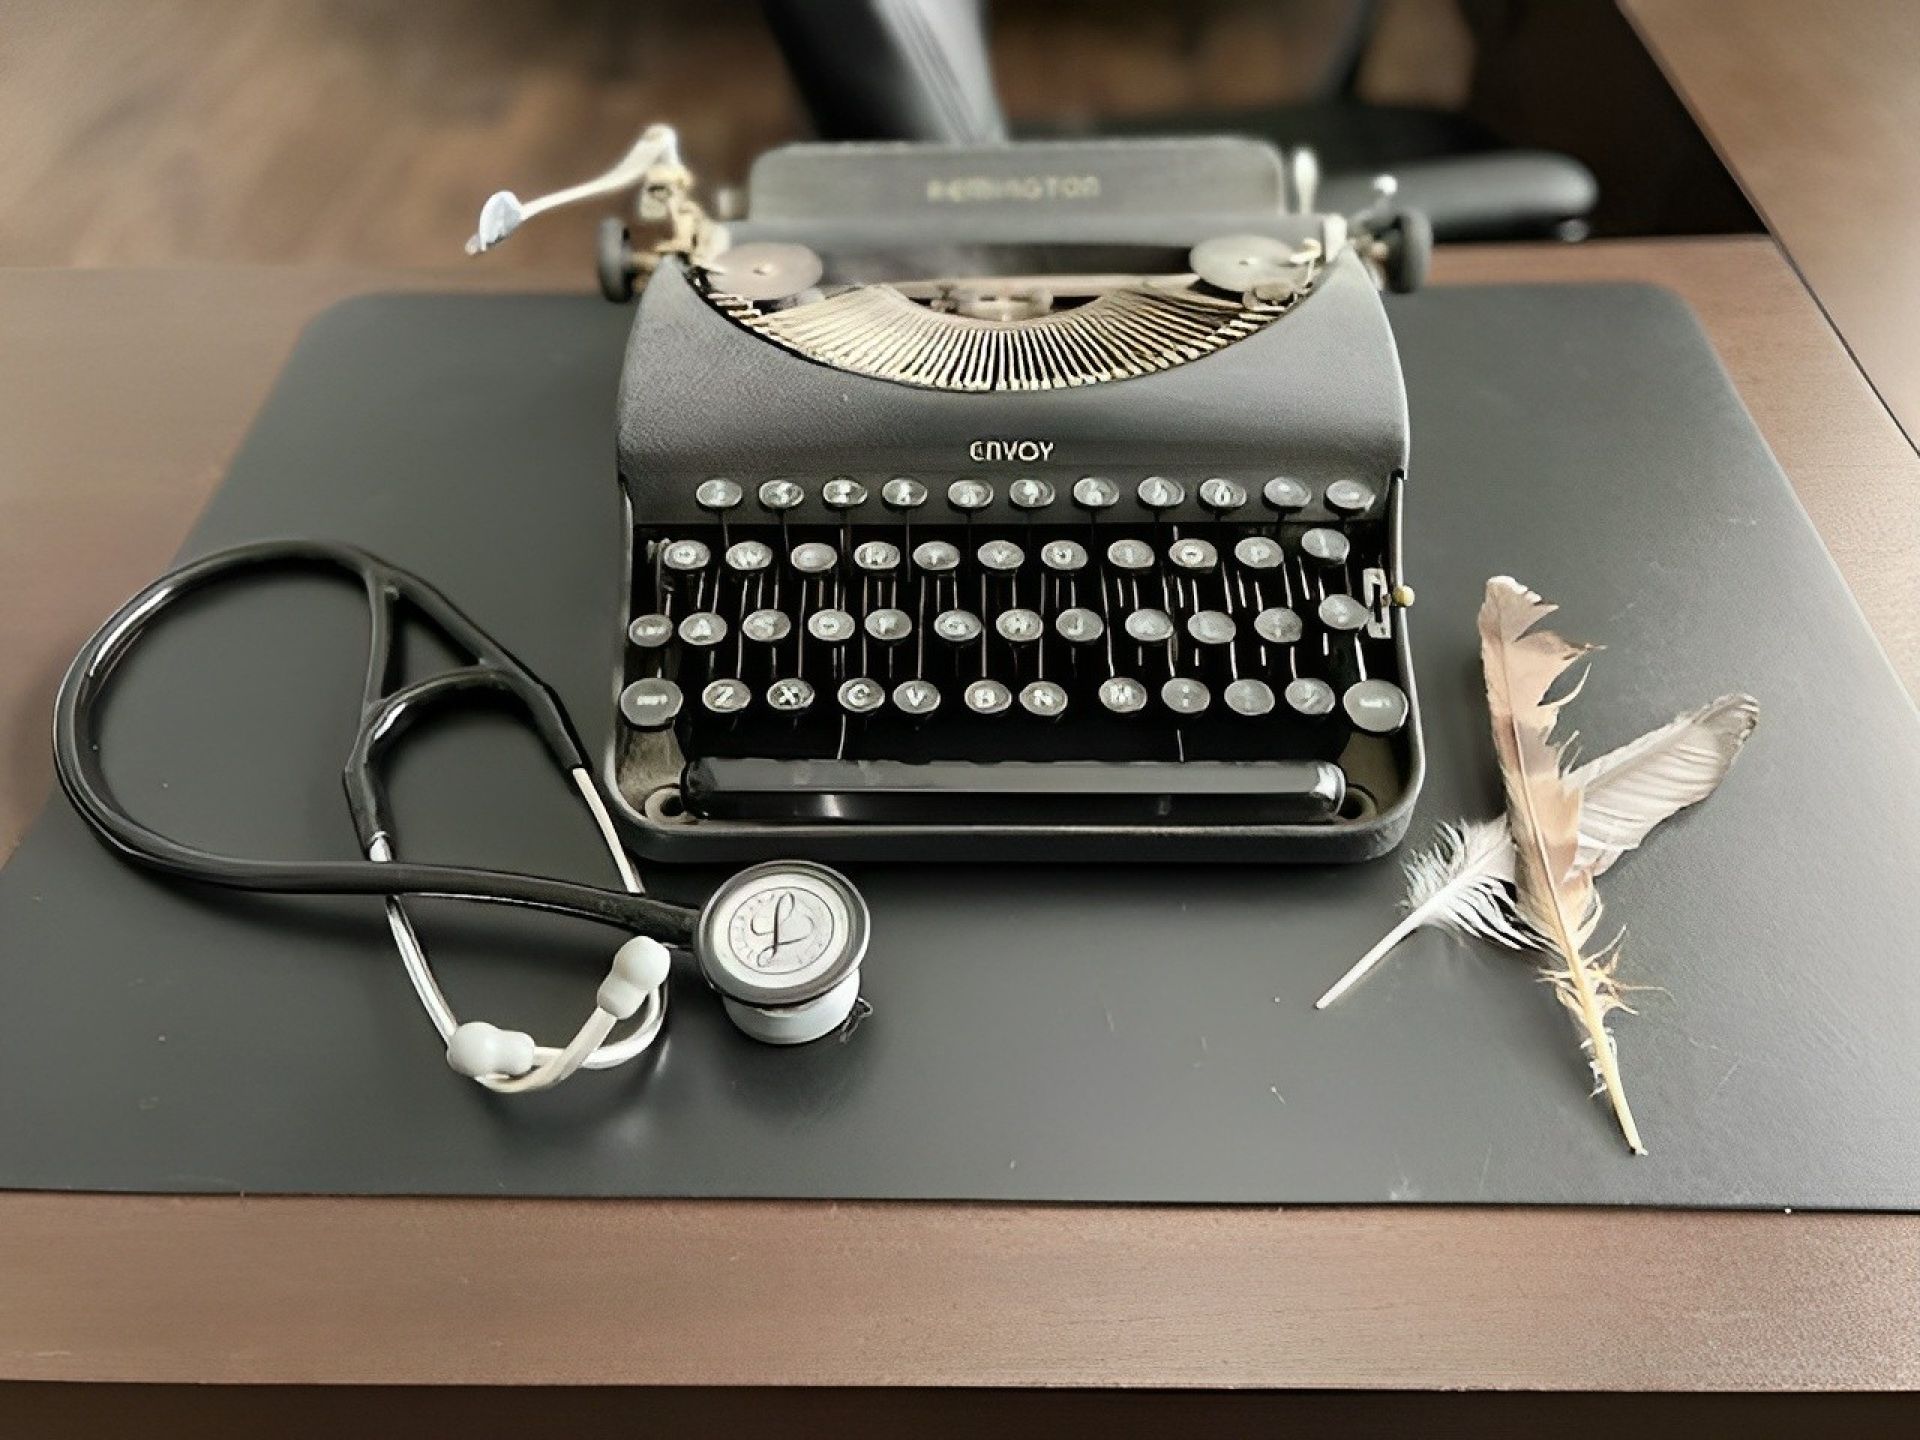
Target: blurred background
(366, 132)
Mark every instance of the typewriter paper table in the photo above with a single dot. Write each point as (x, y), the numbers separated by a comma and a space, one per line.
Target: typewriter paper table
(1569, 1172)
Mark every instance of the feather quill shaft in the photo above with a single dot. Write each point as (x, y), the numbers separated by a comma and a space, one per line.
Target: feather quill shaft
(1522, 663)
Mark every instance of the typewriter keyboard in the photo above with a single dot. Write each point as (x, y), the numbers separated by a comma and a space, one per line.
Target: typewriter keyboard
(1020, 649)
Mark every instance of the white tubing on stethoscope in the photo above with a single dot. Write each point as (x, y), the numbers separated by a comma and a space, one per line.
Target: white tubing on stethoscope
(508, 1062)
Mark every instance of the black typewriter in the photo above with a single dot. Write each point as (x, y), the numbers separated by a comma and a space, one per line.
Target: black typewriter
(1039, 501)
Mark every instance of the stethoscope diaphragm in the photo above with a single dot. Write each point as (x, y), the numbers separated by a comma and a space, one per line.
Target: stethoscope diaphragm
(782, 942)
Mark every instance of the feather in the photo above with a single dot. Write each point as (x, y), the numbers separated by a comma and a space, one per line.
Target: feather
(1628, 791)
(1462, 884)
(1522, 663)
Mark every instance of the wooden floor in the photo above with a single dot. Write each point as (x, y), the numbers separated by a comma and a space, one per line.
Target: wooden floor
(366, 132)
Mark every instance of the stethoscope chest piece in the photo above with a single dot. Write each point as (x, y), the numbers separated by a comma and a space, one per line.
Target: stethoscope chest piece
(782, 942)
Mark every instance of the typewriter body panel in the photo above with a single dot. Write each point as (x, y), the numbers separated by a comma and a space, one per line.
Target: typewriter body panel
(1139, 618)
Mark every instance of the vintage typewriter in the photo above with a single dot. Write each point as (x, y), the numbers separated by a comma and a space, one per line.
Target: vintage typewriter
(1036, 501)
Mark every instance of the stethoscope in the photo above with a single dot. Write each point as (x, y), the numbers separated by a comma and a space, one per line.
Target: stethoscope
(781, 942)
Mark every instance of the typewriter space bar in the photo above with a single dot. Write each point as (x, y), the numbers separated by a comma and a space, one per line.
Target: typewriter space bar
(1013, 792)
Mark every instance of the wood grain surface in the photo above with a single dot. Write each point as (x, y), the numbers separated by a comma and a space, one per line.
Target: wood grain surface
(1815, 109)
(123, 395)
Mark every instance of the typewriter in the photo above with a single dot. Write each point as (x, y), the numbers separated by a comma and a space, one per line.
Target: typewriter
(1031, 501)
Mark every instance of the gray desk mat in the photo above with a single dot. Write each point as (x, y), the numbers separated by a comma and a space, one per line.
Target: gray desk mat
(1072, 1033)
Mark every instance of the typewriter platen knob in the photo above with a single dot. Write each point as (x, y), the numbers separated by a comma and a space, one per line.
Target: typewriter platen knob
(1095, 492)
(718, 493)
(903, 492)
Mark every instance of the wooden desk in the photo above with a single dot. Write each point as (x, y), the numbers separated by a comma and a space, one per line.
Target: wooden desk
(1814, 108)
(121, 398)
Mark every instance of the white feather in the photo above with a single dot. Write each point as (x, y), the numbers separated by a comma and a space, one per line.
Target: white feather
(1626, 792)
(1463, 884)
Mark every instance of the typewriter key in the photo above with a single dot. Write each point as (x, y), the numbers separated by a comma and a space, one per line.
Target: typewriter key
(747, 556)
(650, 704)
(1150, 627)
(1065, 556)
(1343, 612)
(1158, 493)
(831, 627)
(1019, 626)
(1079, 625)
(1278, 626)
(903, 492)
(726, 697)
(1251, 698)
(814, 558)
(958, 627)
(1222, 496)
(1027, 493)
(843, 493)
(1095, 492)
(1045, 699)
(968, 495)
(703, 628)
(1197, 556)
(781, 495)
(987, 697)
(1002, 555)
(766, 627)
(861, 696)
(1329, 547)
(1349, 497)
(936, 556)
(889, 626)
(1378, 707)
(719, 493)
(687, 555)
(791, 697)
(877, 557)
(1211, 627)
(650, 632)
(1130, 555)
(1310, 697)
(1123, 695)
(916, 699)
(1185, 697)
(1286, 494)
(1257, 552)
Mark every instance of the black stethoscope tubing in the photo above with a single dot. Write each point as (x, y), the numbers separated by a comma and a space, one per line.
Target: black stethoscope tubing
(386, 712)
